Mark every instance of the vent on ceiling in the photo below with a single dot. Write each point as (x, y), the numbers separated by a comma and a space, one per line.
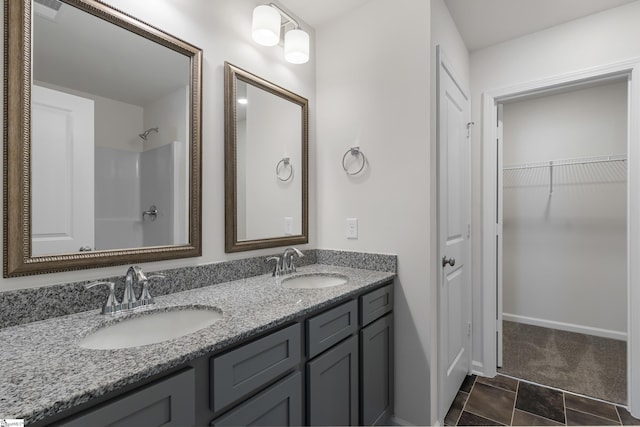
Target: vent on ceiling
(47, 8)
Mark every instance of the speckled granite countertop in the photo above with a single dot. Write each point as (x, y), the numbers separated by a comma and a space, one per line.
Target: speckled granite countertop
(44, 371)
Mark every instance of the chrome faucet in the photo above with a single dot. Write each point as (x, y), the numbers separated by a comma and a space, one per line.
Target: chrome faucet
(287, 260)
(129, 300)
(284, 263)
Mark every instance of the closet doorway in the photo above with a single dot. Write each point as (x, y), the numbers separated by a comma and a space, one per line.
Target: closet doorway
(490, 293)
(564, 232)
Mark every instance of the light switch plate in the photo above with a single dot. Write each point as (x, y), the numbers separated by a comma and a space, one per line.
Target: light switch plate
(352, 228)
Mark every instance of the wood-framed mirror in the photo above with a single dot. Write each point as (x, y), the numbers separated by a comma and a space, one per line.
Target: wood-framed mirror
(266, 163)
(102, 129)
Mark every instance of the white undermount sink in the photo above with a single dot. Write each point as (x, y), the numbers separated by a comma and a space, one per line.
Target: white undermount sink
(314, 281)
(150, 328)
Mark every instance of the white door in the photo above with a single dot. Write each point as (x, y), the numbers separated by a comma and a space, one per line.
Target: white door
(62, 172)
(454, 290)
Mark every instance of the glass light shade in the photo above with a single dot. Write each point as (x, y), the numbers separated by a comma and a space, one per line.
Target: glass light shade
(265, 27)
(296, 46)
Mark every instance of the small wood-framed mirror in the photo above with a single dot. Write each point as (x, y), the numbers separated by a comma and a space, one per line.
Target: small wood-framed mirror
(102, 128)
(266, 163)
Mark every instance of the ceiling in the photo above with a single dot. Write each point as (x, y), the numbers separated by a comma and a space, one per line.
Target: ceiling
(484, 23)
(318, 12)
(481, 23)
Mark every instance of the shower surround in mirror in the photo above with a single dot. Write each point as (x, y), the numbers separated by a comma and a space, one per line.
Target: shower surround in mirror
(125, 174)
(128, 183)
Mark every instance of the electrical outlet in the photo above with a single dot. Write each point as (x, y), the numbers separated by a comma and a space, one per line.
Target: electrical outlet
(352, 228)
(288, 225)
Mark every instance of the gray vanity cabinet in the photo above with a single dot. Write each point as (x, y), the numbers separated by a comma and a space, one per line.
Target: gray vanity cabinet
(376, 359)
(167, 402)
(332, 371)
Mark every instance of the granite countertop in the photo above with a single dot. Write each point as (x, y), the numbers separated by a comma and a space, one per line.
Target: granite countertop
(44, 371)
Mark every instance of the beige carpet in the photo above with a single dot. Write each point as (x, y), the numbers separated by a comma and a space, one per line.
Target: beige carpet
(583, 364)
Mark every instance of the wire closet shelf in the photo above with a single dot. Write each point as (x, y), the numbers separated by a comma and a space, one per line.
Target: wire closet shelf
(584, 170)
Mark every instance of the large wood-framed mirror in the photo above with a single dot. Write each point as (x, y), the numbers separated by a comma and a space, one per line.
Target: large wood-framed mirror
(266, 163)
(102, 127)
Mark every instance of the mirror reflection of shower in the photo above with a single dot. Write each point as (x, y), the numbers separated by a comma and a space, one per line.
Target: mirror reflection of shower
(144, 135)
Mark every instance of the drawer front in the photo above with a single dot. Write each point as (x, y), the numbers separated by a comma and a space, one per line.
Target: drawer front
(279, 405)
(331, 327)
(376, 304)
(168, 402)
(246, 369)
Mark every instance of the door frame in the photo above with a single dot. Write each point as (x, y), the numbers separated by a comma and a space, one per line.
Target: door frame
(443, 64)
(490, 197)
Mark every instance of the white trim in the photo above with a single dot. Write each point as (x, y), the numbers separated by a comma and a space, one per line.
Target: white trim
(490, 99)
(569, 327)
(477, 368)
(395, 421)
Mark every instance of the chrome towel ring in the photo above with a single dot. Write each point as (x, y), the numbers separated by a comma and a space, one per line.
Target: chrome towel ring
(286, 161)
(354, 151)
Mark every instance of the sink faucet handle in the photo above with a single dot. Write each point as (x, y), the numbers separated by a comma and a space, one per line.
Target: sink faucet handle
(110, 305)
(146, 297)
(276, 268)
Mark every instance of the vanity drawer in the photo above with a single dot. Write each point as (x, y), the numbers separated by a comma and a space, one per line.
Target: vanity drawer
(278, 405)
(375, 304)
(249, 367)
(169, 401)
(331, 327)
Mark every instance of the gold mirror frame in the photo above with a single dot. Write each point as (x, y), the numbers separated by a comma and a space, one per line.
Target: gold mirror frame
(232, 75)
(17, 147)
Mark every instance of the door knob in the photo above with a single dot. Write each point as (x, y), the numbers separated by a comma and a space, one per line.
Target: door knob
(451, 261)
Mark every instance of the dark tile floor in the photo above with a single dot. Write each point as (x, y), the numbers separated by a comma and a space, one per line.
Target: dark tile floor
(506, 401)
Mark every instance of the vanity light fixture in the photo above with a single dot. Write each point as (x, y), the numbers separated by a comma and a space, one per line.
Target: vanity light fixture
(266, 25)
(243, 101)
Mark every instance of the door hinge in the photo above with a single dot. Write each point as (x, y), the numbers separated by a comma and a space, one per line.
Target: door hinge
(468, 231)
(469, 330)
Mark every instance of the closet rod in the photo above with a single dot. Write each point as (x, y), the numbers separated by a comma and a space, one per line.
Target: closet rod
(567, 162)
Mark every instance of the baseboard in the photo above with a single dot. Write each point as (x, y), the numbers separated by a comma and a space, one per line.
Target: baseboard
(569, 327)
(477, 368)
(395, 421)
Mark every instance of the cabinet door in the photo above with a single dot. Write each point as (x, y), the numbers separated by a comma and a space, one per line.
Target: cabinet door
(376, 373)
(279, 405)
(332, 386)
(168, 402)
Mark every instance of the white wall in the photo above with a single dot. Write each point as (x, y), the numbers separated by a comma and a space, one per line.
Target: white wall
(373, 94)
(170, 114)
(564, 254)
(223, 30)
(374, 90)
(595, 40)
